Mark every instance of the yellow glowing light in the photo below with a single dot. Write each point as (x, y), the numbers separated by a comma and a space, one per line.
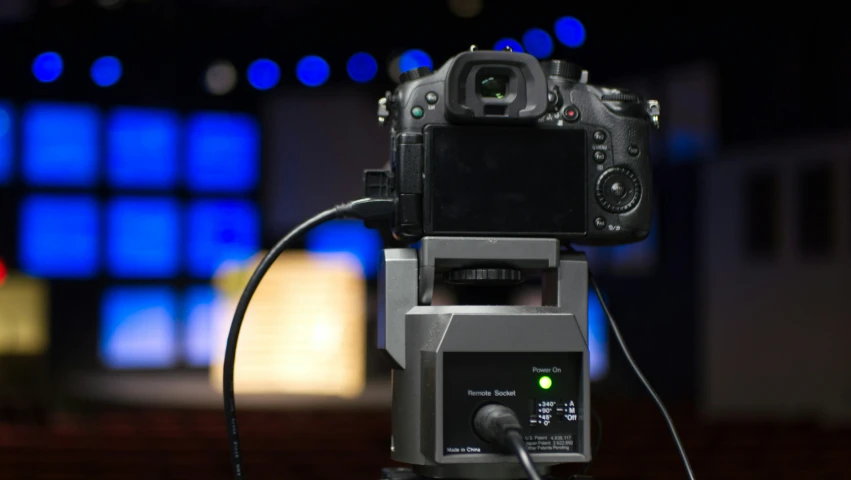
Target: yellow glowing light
(23, 316)
(304, 332)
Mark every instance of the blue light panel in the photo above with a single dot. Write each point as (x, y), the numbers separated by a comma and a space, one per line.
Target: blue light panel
(348, 236)
(263, 74)
(58, 236)
(60, 145)
(362, 67)
(508, 42)
(199, 314)
(598, 341)
(538, 43)
(143, 148)
(142, 237)
(6, 136)
(312, 71)
(221, 231)
(414, 58)
(138, 328)
(223, 152)
(570, 32)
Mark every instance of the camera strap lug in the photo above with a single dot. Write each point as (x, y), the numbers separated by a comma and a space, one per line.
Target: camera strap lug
(652, 108)
(383, 108)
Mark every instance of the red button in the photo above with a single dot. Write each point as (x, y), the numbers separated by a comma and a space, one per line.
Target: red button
(571, 113)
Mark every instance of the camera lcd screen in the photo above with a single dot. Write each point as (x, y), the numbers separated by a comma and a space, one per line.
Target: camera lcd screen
(505, 181)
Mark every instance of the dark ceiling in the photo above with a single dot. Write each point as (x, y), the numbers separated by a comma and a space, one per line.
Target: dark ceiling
(773, 62)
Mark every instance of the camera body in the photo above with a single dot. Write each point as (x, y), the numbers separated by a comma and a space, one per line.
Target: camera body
(497, 144)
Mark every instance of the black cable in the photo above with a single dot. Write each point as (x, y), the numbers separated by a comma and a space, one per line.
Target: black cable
(364, 209)
(641, 377)
(514, 441)
(499, 424)
(598, 439)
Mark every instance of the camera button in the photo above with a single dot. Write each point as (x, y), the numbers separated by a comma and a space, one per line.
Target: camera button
(599, 223)
(431, 98)
(599, 136)
(571, 113)
(633, 150)
(417, 112)
(599, 156)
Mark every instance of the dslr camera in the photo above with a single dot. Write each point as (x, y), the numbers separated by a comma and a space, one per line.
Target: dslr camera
(498, 144)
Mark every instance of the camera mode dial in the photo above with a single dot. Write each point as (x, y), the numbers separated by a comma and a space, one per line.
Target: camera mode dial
(561, 68)
(414, 74)
(618, 190)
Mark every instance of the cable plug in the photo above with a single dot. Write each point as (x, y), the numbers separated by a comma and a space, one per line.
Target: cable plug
(369, 209)
(494, 422)
(499, 424)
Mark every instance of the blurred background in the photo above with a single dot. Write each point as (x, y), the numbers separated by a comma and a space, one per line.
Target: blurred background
(151, 149)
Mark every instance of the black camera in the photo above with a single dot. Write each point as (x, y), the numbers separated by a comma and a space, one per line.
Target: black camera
(496, 143)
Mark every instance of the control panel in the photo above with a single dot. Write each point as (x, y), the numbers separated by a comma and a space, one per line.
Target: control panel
(543, 389)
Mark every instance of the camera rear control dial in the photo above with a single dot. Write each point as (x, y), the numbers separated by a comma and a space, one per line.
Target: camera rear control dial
(618, 190)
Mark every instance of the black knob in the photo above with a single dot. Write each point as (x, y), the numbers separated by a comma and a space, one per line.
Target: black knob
(484, 276)
(618, 190)
(414, 74)
(561, 68)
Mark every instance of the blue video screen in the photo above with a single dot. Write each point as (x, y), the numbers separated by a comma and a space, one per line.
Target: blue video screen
(59, 236)
(221, 231)
(7, 135)
(143, 236)
(348, 236)
(142, 149)
(60, 144)
(200, 308)
(223, 152)
(138, 327)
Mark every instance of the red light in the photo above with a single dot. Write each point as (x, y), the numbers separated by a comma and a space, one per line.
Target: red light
(571, 113)
(2, 272)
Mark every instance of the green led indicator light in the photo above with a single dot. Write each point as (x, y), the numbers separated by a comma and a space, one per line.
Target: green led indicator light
(545, 382)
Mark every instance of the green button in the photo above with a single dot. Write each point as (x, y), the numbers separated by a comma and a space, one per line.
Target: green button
(545, 382)
(417, 112)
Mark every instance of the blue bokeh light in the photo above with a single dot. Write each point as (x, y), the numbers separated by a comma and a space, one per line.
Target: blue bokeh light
(508, 42)
(598, 343)
(362, 67)
(223, 152)
(142, 237)
(312, 71)
(59, 236)
(414, 58)
(221, 231)
(263, 74)
(47, 67)
(142, 148)
(138, 327)
(60, 144)
(6, 136)
(348, 236)
(538, 43)
(570, 32)
(106, 71)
